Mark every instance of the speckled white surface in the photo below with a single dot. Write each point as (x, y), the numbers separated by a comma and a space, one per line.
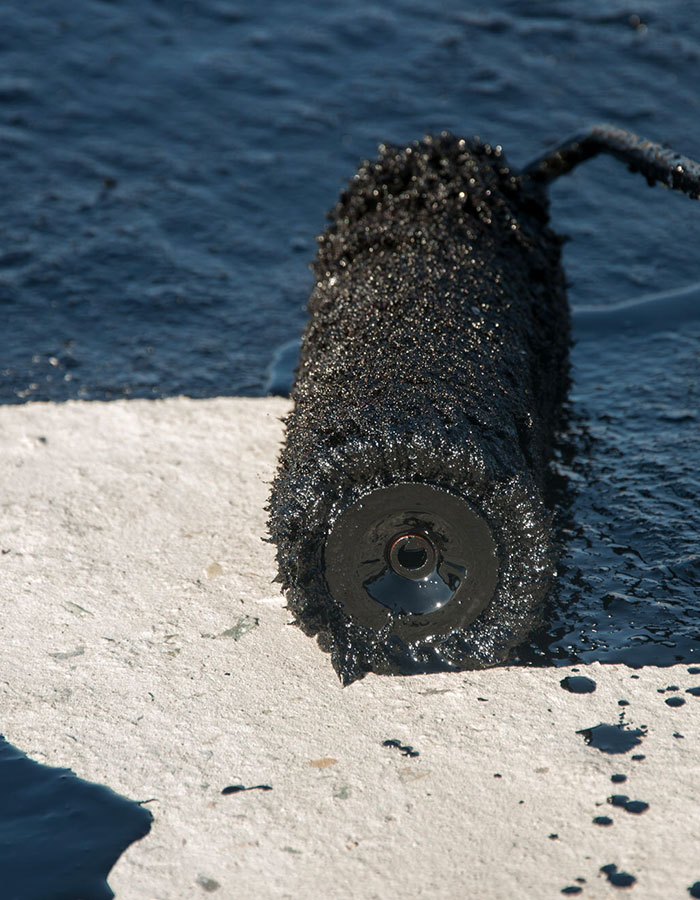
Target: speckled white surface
(131, 538)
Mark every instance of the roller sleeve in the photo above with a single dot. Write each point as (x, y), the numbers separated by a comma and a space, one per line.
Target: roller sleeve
(408, 507)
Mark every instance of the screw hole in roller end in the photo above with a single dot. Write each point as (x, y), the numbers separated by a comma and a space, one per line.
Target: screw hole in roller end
(412, 556)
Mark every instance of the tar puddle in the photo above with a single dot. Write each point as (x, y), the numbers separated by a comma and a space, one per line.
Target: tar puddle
(60, 835)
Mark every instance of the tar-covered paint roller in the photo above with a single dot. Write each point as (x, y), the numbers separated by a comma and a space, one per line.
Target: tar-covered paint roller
(409, 506)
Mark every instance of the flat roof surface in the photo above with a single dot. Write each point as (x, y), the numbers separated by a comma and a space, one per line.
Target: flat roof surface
(146, 647)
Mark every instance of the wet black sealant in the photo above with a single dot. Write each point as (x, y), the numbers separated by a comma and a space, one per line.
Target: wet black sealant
(59, 835)
(406, 749)
(674, 702)
(622, 801)
(201, 143)
(238, 788)
(642, 567)
(614, 739)
(578, 684)
(604, 821)
(617, 878)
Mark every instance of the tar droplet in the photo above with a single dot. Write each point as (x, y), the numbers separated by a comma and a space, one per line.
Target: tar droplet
(237, 788)
(613, 738)
(553, 837)
(694, 889)
(602, 820)
(572, 889)
(578, 684)
(405, 749)
(694, 670)
(636, 807)
(677, 734)
(693, 691)
(675, 701)
(618, 779)
(623, 703)
(618, 879)
(638, 757)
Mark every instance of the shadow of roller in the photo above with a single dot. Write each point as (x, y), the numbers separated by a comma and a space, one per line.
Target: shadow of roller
(408, 513)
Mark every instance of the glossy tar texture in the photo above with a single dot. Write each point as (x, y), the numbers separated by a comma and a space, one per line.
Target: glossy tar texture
(578, 684)
(436, 352)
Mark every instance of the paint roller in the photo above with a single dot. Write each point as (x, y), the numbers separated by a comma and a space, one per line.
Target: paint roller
(408, 508)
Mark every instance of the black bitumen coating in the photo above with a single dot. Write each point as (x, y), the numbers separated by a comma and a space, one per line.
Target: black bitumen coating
(436, 352)
(578, 684)
(60, 835)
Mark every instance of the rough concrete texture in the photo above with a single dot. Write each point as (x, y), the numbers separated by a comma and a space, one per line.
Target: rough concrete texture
(132, 570)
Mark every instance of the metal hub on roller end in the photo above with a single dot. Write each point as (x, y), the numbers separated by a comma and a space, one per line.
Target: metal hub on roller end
(414, 556)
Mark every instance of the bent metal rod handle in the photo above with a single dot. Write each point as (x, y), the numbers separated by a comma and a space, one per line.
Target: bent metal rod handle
(656, 162)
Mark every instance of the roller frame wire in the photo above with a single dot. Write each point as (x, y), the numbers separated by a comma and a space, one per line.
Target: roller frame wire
(656, 162)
